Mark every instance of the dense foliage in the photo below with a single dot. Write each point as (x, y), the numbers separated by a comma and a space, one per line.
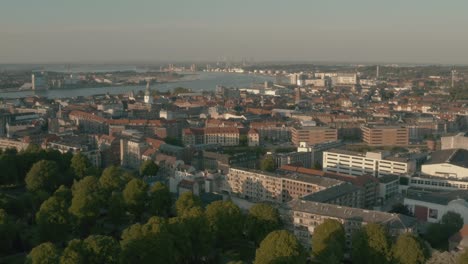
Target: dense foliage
(60, 209)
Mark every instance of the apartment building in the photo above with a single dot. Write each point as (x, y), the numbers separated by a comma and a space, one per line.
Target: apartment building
(89, 123)
(385, 135)
(253, 138)
(368, 184)
(307, 215)
(274, 131)
(345, 194)
(313, 135)
(377, 164)
(132, 147)
(224, 136)
(275, 188)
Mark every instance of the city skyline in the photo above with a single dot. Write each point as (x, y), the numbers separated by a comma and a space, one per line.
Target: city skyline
(145, 31)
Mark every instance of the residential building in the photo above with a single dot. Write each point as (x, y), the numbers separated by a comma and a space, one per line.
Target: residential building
(307, 215)
(314, 135)
(385, 135)
(345, 194)
(388, 186)
(369, 184)
(253, 138)
(276, 188)
(132, 147)
(224, 136)
(273, 131)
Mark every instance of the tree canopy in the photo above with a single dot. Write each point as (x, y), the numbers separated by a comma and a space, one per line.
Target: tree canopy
(148, 168)
(225, 220)
(45, 253)
(409, 250)
(160, 200)
(44, 175)
(261, 220)
(80, 165)
(328, 242)
(186, 202)
(135, 195)
(280, 247)
(268, 164)
(371, 244)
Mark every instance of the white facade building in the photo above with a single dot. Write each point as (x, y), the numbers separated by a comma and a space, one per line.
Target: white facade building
(373, 163)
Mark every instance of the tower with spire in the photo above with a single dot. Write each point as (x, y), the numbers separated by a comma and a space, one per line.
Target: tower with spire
(148, 96)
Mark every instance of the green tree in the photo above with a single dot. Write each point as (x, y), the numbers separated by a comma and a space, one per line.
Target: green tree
(439, 233)
(408, 249)
(261, 220)
(147, 243)
(225, 220)
(193, 240)
(116, 209)
(74, 253)
(113, 179)
(186, 202)
(453, 221)
(328, 242)
(86, 202)
(102, 249)
(7, 233)
(45, 253)
(9, 171)
(160, 200)
(94, 249)
(135, 195)
(280, 247)
(268, 164)
(80, 165)
(463, 257)
(148, 168)
(44, 175)
(371, 244)
(53, 218)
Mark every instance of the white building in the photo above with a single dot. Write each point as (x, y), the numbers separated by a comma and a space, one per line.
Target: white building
(449, 163)
(458, 141)
(431, 207)
(377, 164)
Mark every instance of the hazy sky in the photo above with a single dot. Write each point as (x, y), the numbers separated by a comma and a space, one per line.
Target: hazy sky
(419, 31)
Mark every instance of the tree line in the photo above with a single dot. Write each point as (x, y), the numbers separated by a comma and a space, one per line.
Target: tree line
(67, 211)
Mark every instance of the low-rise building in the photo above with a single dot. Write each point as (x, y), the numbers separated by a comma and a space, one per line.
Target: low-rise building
(448, 163)
(432, 206)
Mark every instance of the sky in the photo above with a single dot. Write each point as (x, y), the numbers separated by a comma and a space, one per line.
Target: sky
(104, 31)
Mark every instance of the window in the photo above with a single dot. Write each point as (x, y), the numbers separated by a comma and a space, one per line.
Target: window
(433, 213)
